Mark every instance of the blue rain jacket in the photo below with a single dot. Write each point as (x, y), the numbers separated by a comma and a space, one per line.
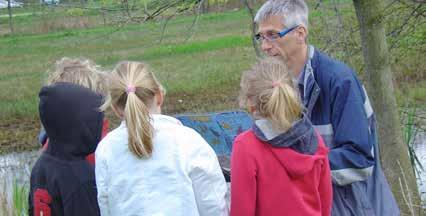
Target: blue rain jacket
(340, 110)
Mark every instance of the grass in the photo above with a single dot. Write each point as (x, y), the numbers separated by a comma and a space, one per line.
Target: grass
(20, 199)
(409, 132)
(414, 94)
(224, 50)
(18, 204)
(201, 74)
(412, 125)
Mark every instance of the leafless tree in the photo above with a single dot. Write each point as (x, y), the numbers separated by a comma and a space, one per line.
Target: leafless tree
(9, 11)
(253, 27)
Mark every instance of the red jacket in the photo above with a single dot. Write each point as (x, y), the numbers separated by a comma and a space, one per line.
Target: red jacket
(268, 181)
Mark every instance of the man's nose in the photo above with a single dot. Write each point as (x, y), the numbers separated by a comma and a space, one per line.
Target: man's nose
(266, 45)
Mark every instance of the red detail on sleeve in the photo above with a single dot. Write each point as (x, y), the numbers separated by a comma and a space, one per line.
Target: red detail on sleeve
(45, 144)
(91, 157)
(41, 200)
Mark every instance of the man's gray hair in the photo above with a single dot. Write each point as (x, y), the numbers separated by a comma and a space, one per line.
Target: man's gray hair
(293, 12)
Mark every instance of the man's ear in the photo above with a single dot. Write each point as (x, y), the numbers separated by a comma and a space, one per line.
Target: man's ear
(301, 34)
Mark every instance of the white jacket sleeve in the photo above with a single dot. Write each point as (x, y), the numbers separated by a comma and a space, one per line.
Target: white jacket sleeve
(208, 182)
(101, 170)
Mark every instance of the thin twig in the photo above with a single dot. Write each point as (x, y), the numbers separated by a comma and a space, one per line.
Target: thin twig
(194, 22)
(163, 28)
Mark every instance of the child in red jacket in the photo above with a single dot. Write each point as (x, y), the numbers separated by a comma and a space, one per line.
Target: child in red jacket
(280, 166)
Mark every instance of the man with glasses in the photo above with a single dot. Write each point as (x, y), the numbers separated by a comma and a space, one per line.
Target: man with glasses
(338, 106)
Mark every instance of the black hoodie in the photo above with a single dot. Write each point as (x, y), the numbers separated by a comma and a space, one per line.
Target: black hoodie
(62, 181)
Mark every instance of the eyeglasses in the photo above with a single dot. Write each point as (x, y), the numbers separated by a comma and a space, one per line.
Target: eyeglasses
(272, 36)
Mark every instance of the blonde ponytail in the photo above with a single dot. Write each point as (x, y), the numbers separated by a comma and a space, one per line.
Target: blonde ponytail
(139, 126)
(268, 86)
(132, 89)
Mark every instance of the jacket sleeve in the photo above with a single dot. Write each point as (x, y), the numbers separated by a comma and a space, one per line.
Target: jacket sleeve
(101, 171)
(82, 202)
(351, 158)
(243, 182)
(207, 180)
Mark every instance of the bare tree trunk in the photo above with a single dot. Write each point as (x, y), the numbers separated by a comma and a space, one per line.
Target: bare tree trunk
(205, 7)
(253, 27)
(208, 6)
(103, 15)
(394, 152)
(9, 10)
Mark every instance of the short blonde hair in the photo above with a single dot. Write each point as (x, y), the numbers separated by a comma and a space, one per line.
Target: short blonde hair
(79, 71)
(268, 86)
(132, 88)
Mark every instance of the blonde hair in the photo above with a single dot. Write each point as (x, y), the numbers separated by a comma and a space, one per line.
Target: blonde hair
(80, 71)
(268, 86)
(132, 88)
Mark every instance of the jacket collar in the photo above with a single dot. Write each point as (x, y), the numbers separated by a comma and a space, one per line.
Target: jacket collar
(159, 118)
(308, 86)
(300, 137)
(165, 118)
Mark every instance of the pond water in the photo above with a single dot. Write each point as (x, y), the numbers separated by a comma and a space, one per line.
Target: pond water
(420, 149)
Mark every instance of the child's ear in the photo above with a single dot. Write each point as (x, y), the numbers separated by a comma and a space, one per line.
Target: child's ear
(159, 98)
(251, 109)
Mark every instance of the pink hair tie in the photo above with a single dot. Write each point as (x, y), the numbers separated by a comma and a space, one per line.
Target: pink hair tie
(130, 89)
(276, 84)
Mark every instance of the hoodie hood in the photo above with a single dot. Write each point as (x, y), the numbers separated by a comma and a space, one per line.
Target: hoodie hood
(300, 137)
(298, 149)
(71, 117)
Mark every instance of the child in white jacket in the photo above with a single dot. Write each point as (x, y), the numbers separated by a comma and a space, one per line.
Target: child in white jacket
(152, 164)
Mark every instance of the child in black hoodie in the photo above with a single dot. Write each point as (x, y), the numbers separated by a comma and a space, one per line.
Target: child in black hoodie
(79, 71)
(62, 181)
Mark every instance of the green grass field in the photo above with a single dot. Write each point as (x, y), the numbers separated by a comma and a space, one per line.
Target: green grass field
(200, 73)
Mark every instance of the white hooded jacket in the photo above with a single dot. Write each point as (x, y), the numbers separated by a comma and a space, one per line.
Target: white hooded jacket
(181, 178)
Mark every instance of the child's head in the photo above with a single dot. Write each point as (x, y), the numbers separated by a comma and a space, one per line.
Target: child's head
(79, 71)
(267, 90)
(134, 93)
(71, 117)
